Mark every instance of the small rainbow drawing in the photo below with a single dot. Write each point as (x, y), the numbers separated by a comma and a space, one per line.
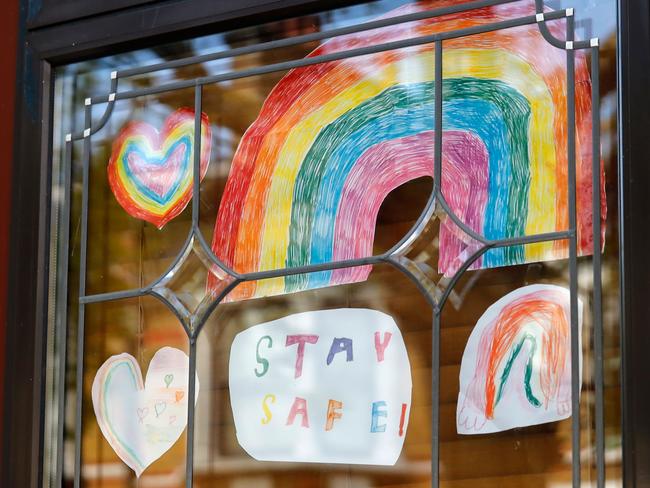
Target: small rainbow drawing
(516, 367)
(333, 139)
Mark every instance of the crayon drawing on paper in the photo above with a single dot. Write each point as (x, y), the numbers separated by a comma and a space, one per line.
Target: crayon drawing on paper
(332, 140)
(142, 420)
(150, 172)
(516, 367)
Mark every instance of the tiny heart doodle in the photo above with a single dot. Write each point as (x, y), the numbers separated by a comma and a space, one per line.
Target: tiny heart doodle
(160, 408)
(125, 406)
(142, 413)
(150, 172)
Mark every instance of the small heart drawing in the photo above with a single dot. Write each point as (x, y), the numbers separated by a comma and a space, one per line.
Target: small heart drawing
(160, 407)
(123, 403)
(179, 395)
(142, 413)
(168, 379)
(150, 172)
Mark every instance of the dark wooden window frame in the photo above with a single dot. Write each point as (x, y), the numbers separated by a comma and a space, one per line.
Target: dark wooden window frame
(51, 36)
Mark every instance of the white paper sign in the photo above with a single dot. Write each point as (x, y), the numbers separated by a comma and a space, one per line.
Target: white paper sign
(516, 368)
(142, 420)
(331, 386)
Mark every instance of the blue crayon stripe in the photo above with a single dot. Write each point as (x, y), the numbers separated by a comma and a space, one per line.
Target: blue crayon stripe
(484, 118)
(410, 122)
(136, 148)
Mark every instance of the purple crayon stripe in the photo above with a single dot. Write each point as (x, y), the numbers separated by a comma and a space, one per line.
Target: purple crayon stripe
(395, 162)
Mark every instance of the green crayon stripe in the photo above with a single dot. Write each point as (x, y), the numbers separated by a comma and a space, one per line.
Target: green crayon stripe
(105, 408)
(532, 399)
(514, 108)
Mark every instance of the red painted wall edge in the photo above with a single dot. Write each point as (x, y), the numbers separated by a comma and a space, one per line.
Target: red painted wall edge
(9, 28)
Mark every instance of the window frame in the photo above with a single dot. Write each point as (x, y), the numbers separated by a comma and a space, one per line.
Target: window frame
(56, 40)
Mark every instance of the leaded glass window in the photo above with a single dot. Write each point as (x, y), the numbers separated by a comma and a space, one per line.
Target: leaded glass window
(376, 245)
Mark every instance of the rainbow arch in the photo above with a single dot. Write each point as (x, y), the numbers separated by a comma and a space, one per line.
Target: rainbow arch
(516, 367)
(289, 199)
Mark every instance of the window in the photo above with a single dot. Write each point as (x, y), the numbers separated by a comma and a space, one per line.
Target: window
(411, 159)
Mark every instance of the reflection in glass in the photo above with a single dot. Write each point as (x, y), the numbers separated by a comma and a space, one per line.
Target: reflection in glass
(125, 253)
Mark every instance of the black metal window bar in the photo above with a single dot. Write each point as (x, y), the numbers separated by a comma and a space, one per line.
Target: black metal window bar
(194, 322)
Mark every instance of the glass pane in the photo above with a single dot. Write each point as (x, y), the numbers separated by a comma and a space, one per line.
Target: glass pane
(346, 241)
(221, 457)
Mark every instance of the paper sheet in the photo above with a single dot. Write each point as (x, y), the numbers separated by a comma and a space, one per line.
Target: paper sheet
(142, 421)
(330, 386)
(150, 171)
(516, 368)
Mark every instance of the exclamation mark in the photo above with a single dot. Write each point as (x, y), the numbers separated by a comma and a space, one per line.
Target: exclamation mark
(401, 420)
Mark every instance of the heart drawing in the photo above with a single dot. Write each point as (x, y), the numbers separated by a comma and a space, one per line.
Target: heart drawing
(142, 421)
(150, 172)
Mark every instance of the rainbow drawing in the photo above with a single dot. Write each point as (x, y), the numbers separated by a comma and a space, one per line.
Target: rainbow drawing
(333, 139)
(150, 172)
(516, 367)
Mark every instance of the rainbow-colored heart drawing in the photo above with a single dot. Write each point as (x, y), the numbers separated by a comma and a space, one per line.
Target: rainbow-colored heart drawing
(142, 421)
(150, 172)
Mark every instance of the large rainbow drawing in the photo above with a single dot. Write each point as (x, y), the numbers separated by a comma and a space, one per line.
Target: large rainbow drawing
(516, 367)
(332, 140)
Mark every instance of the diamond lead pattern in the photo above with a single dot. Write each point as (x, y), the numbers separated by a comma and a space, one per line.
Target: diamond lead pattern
(184, 284)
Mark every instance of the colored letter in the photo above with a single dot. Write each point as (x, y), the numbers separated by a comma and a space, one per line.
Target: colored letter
(376, 413)
(301, 340)
(380, 347)
(332, 413)
(340, 344)
(402, 419)
(261, 360)
(267, 411)
(299, 407)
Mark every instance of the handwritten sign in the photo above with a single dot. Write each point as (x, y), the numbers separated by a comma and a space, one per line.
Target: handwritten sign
(330, 386)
